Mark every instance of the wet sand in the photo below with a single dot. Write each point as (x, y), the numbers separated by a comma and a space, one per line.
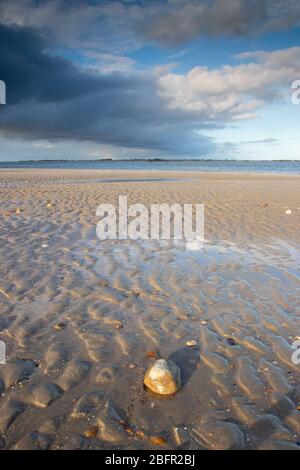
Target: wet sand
(84, 319)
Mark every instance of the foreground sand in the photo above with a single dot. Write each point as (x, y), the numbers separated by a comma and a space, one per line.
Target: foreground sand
(81, 317)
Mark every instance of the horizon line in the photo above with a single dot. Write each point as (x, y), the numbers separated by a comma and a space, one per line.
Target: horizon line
(63, 160)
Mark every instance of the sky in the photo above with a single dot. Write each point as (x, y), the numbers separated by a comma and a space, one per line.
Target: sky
(205, 79)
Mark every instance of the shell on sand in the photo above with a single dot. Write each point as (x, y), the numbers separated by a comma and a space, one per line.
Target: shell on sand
(163, 377)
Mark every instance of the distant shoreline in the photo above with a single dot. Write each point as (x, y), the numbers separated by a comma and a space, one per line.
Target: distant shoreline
(136, 160)
(205, 166)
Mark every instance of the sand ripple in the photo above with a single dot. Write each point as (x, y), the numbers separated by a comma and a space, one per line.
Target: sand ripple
(80, 316)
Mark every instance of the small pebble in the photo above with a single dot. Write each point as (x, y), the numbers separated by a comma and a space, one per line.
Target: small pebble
(163, 377)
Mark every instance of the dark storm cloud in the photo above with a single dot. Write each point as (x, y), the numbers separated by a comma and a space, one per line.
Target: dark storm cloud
(121, 25)
(50, 98)
(30, 72)
(181, 21)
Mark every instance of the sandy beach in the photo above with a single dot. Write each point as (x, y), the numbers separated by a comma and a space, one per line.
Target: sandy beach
(83, 319)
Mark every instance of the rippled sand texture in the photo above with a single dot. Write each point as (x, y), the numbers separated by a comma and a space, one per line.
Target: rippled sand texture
(84, 319)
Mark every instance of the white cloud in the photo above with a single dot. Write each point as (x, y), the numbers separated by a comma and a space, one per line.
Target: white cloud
(42, 144)
(108, 63)
(233, 92)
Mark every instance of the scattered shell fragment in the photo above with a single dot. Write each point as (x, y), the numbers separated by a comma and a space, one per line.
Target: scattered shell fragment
(92, 432)
(191, 342)
(152, 355)
(288, 212)
(157, 440)
(179, 435)
(139, 434)
(132, 293)
(231, 341)
(60, 326)
(131, 365)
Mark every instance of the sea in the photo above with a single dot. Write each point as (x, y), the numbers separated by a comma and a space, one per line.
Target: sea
(242, 166)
